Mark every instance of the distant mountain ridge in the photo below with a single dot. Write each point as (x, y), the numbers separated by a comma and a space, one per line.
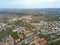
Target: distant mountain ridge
(45, 9)
(51, 9)
(41, 11)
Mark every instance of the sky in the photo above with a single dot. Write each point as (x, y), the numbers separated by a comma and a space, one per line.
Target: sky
(29, 3)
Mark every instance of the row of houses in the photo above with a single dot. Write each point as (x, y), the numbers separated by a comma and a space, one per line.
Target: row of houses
(22, 33)
(38, 41)
(9, 40)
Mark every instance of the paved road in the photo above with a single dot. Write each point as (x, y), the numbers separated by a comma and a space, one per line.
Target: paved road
(56, 40)
(26, 39)
(58, 34)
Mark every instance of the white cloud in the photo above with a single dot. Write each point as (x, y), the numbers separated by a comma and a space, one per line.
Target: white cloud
(32, 3)
(29, 3)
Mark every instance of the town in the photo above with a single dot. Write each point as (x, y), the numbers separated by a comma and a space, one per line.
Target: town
(29, 30)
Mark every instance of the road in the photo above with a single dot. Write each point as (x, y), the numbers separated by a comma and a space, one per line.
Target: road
(56, 40)
(26, 40)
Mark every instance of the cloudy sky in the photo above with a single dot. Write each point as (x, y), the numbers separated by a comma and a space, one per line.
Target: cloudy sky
(29, 3)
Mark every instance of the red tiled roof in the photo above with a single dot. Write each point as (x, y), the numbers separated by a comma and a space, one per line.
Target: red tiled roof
(42, 41)
(4, 43)
(21, 36)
